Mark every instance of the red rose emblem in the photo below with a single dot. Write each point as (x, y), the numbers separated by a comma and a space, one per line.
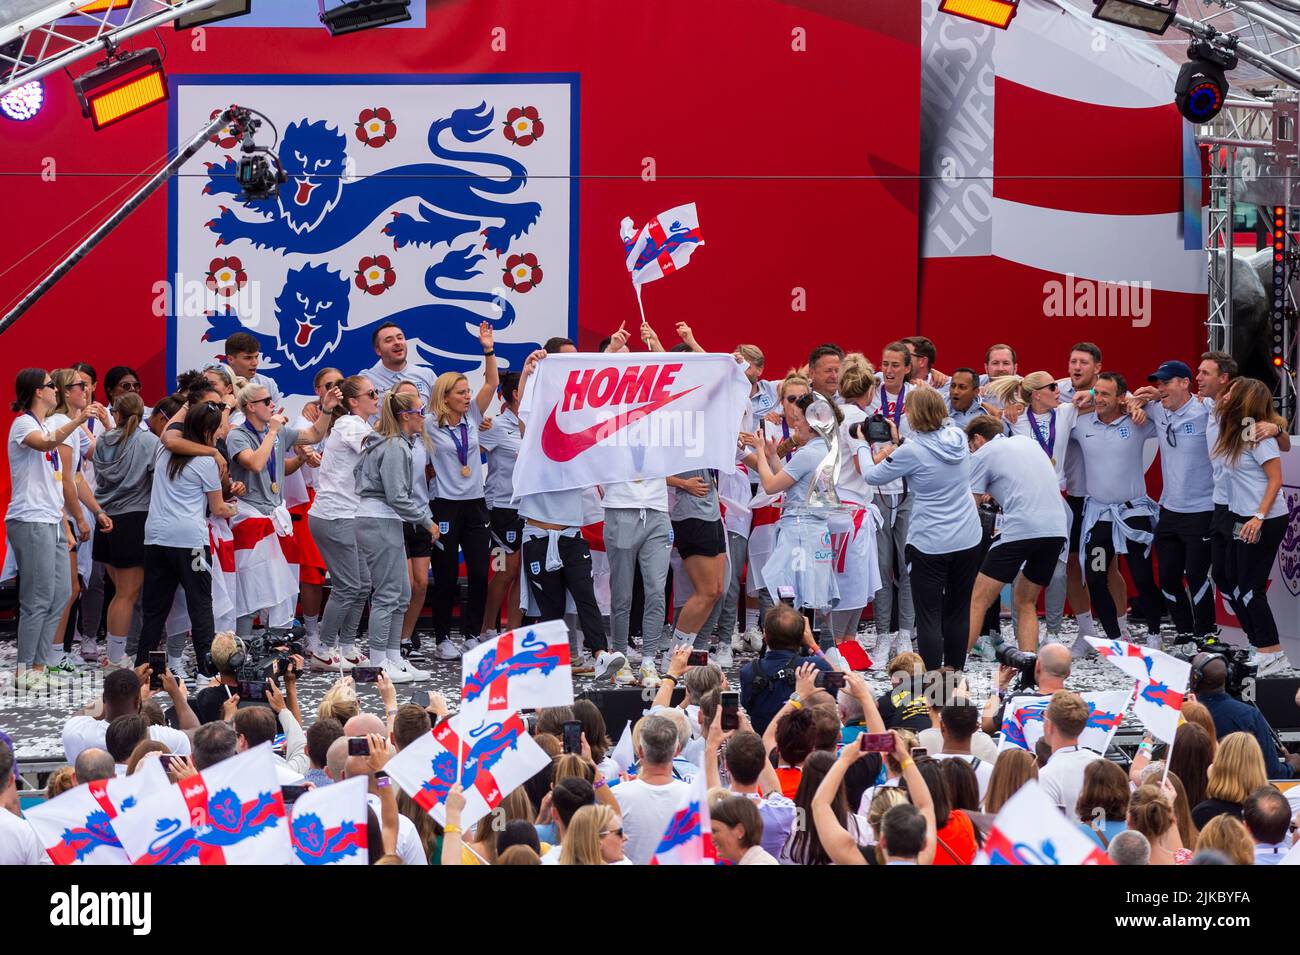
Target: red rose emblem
(375, 274)
(226, 276)
(227, 137)
(376, 127)
(522, 272)
(523, 126)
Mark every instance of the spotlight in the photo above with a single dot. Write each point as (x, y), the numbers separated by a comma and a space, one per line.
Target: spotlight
(221, 10)
(994, 13)
(1153, 16)
(120, 87)
(1201, 88)
(103, 6)
(23, 102)
(357, 15)
(1278, 313)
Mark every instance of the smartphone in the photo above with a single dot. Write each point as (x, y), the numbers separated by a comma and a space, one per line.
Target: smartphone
(366, 674)
(698, 658)
(1236, 530)
(572, 736)
(166, 759)
(358, 746)
(291, 793)
(730, 710)
(421, 699)
(252, 691)
(919, 751)
(876, 742)
(786, 595)
(830, 680)
(157, 664)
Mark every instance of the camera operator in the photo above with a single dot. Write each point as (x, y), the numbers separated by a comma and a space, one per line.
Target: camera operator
(1051, 668)
(767, 683)
(1015, 473)
(229, 656)
(943, 537)
(1209, 683)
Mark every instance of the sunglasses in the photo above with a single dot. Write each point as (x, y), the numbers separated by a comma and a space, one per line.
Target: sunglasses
(268, 400)
(327, 385)
(371, 393)
(49, 384)
(793, 398)
(129, 385)
(414, 411)
(617, 832)
(79, 384)
(1050, 386)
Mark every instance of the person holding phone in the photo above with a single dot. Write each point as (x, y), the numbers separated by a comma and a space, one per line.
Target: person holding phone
(1253, 468)
(384, 479)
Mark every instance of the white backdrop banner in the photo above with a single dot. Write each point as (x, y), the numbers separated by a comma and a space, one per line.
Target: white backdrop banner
(598, 419)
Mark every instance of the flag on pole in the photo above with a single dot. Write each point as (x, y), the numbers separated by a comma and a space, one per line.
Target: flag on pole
(1029, 830)
(328, 824)
(623, 753)
(489, 760)
(1022, 720)
(528, 668)
(76, 827)
(1161, 683)
(688, 840)
(661, 246)
(230, 814)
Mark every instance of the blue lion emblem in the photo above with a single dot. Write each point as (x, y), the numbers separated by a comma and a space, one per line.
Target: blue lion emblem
(532, 655)
(229, 822)
(316, 211)
(317, 845)
(684, 826)
(677, 235)
(484, 753)
(79, 842)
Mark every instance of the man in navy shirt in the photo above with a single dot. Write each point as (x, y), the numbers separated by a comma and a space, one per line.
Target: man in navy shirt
(1232, 716)
(768, 682)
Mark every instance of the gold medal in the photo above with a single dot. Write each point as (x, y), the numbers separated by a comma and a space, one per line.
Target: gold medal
(275, 487)
(1053, 462)
(464, 470)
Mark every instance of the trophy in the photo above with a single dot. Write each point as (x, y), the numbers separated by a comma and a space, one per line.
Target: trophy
(819, 414)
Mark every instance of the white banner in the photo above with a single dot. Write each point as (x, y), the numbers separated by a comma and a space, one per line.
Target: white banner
(599, 419)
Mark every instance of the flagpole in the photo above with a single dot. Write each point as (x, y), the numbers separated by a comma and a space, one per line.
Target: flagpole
(636, 287)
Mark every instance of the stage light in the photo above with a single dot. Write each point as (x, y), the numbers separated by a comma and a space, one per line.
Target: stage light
(1201, 88)
(103, 6)
(363, 15)
(1278, 314)
(23, 102)
(1153, 16)
(221, 10)
(994, 13)
(121, 87)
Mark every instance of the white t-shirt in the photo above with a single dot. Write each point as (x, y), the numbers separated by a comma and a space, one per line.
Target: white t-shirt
(650, 494)
(1247, 480)
(36, 477)
(1062, 777)
(19, 844)
(646, 810)
(81, 733)
(336, 482)
(851, 486)
(1020, 477)
(409, 846)
(178, 508)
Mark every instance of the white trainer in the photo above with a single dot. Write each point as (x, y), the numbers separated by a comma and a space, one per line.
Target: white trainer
(649, 675)
(447, 651)
(724, 658)
(608, 661)
(1270, 663)
(395, 672)
(416, 674)
(624, 677)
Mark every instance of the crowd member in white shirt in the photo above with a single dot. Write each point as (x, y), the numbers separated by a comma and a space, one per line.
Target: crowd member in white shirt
(894, 502)
(958, 725)
(332, 520)
(1253, 468)
(459, 507)
(122, 696)
(649, 801)
(1030, 549)
(390, 345)
(19, 844)
(501, 444)
(383, 483)
(1064, 721)
(1267, 816)
(34, 526)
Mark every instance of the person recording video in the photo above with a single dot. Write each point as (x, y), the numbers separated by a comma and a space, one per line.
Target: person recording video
(1209, 681)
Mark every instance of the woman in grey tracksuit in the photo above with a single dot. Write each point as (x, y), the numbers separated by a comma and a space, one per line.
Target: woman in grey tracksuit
(384, 486)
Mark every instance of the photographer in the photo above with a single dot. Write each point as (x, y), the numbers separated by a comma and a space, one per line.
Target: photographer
(768, 682)
(1209, 683)
(1015, 473)
(943, 538)
(1051, 668)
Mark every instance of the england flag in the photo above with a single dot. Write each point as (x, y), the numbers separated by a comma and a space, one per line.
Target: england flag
(1161, 683)
(76, 827)
(329, 824)
(663, 245)
(1022, 720)
(1031, 831)
(527, 668)
(688, 840)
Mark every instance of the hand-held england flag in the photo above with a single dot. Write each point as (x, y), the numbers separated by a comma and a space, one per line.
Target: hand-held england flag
(527, 668)
(230, 814)
(76, 827)
(688, 840)
(624, 754)
(1031, 831)
(495, 757)
(663, 245)
(1022, 720)
(329, 825)
(1161, 683)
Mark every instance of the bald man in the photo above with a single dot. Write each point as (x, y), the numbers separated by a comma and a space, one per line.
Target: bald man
(93, 765)
(1051, 670)
(340, 766)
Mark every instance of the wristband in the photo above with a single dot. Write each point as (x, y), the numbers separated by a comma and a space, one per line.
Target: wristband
(908, 762)
(599, 784)
(449, 830)
(489, 353)
(669, 676)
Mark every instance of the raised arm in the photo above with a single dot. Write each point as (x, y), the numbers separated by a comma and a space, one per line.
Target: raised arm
(39, 441)
(491, 378)
(320, 428)
(920, 796)
(257, 460)
(835, 839)
(771, 476)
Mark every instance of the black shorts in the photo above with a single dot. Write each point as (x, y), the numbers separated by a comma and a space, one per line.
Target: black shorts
(418, 540)
(1076, 522)
(699, 538)
(507, 528)
(1036, 557)
(123, 546)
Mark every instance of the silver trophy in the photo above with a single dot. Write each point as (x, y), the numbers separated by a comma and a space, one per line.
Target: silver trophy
(821, 489)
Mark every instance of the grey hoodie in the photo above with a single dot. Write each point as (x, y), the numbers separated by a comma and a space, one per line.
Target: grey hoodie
(384, 474)
(124, 472)
(936, 465)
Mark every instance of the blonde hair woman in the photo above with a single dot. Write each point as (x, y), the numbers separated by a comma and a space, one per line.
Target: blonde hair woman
(1237, 771)
(590, 829)
(459, 507)
(417, 539)
(942, 550)
(1229, 836)
(385, 477)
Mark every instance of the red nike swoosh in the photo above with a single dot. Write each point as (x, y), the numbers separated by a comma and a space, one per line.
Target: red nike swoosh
(561, 445)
